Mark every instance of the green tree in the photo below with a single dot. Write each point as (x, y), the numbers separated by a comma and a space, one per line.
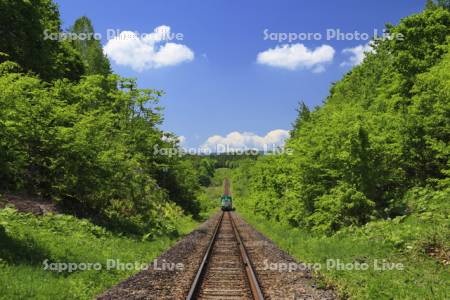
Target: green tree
(89, 48)
(24, 30)
(303, 114)
(382, 132)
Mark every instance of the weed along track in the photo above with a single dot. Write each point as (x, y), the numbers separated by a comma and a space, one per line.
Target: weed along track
(226, 271)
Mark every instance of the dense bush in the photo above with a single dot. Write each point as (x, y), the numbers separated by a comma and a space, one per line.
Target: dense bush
(383, 130)
(73, 132)
(25, 27)
(89, 145)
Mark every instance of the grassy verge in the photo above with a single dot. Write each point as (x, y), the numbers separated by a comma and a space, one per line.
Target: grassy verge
(403, 241)
(26, 241)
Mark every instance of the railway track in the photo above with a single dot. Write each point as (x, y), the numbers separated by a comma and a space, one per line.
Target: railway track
(226, 271)
(218, 266)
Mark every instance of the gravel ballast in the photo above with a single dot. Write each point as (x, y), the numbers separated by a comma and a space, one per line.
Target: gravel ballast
(174, 283)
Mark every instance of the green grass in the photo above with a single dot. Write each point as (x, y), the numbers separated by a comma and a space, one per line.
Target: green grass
(402, 240)
(27, 240)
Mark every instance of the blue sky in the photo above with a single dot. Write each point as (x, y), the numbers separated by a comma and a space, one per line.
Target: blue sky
(214, 83)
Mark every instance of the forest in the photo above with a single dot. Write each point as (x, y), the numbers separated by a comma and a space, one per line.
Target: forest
(377, 147)
(368, 174)
(74, 132)
(378, 144)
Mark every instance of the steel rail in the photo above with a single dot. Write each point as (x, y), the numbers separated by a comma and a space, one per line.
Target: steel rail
(252, 280)
(201, 270)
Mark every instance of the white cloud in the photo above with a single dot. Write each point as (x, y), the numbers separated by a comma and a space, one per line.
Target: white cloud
(181, 139)
(357, 54)
(297, 56)
(147, 51)
(246, 140)
(318, 69)
(170, 138)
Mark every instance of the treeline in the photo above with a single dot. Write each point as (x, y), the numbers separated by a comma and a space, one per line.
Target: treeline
(74, 132)
(206, 165)
(380, 139)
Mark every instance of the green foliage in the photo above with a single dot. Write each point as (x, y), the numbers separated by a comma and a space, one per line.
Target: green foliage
(205, 167)
(343, 206)
(73, 132)
(303, 116)
(90, 49)
(369, 175)
(383, 130)
(24, 27)
(231, 160)
(89, 145)
(210, 195)
(425, 37)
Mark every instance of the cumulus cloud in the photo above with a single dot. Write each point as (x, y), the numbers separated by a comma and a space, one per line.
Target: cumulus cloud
(297, 56)
(173, 138)
(357, 54)
(246, 140)
(148, 51)
(181, 139)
